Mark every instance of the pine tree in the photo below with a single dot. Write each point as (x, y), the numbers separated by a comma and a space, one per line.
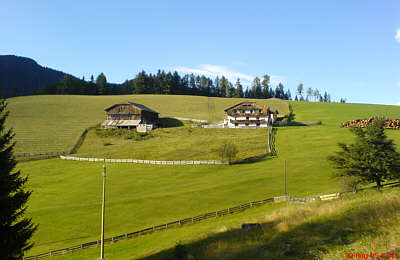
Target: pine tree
(372, 158)
(309, 94)
(265, 86)
(15, 230)
(300, 90)
(239, 89)
(256, 91)
(101, 83)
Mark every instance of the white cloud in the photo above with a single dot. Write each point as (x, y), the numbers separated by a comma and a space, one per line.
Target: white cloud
(397, 37)
(215, 70)
(398, 104)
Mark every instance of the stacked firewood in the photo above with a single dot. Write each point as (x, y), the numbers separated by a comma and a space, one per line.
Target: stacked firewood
(390, 123)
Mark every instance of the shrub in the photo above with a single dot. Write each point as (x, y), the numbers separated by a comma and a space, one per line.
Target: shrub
(228, 151)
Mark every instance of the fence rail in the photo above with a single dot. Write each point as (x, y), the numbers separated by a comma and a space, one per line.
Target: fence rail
(141, 161)
(39, 154)
(192, 220)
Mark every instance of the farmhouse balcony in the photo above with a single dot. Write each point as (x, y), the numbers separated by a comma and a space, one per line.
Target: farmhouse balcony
(246, 114)
(248, 121)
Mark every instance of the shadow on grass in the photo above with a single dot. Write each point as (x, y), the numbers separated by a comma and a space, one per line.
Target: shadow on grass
(253, 159)
(307, 240)
(167, 122)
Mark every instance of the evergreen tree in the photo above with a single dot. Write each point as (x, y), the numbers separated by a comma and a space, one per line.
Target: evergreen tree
(15, 229)
(296, 99)
(309, 94)
(224, 87)
(316, 94)
(288, 95)
(300, 89)
(325, 97)
(239, 89)
(265, 86)
(372, 158)
(279, 91)
(101, 83)
(217, 87)
(256, 88)
(139, 84)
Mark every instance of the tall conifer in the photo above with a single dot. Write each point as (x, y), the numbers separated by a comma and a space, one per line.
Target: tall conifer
(15, 229)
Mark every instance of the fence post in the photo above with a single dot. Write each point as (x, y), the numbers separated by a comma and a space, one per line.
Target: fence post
(251, 204)
(192, 219)
(216, 213)
(228, 211)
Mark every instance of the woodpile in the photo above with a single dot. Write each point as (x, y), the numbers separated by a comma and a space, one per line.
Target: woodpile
(390, 123)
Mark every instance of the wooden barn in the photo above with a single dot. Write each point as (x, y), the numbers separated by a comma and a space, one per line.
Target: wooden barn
(249, 114)
(132, 116)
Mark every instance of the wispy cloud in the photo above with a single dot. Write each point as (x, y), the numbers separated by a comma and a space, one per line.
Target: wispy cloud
(397, 36)
(216, 70)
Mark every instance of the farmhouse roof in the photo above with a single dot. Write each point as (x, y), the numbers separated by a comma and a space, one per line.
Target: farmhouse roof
(140, 106)
(241, 103)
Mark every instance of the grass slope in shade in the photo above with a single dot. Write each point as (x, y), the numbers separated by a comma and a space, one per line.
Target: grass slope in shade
(54, 122)
(177, 143)
(319, 230)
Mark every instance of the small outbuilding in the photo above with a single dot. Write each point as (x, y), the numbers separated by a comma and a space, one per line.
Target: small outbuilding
(131, 116)
(249, 114)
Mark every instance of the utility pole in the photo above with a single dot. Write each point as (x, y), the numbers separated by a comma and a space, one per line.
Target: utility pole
(103, 211)
(284, 166)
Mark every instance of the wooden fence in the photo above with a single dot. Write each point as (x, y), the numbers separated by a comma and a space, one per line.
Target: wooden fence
(40, 154)
(140, 161)
(196, 219)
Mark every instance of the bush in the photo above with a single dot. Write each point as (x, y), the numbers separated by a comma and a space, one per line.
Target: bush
(350, 183)
(228, 151)
(124, 133)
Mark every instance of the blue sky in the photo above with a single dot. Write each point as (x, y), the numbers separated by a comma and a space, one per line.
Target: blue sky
(349, 48)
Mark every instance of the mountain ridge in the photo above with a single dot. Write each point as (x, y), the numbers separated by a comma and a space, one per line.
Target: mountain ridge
(23, 76)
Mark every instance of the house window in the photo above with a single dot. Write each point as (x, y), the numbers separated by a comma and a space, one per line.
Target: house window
(236, 124)
(258, 124)
(247, 124)
(257, 118)
(247, 118)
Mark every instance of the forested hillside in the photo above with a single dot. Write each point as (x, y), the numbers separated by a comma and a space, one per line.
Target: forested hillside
(21, 76)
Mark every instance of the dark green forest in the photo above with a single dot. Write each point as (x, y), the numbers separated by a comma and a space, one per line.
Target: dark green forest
(173, 83)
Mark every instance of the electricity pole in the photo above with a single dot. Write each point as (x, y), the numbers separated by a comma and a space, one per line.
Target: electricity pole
(103, 211)
(284, 166)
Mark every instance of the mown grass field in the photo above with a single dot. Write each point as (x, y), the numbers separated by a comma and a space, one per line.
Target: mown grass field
(176, 143)
(54, 123)
(66, 198)
(356, 224)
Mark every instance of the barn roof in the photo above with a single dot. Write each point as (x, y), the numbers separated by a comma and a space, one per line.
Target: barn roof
(140, 106)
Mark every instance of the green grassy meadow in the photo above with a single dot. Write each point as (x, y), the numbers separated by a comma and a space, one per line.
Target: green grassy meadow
(53, 123)
(176, 143)
(67, 194)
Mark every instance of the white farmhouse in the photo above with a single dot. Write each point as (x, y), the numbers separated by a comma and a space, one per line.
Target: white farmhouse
(249, 114)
